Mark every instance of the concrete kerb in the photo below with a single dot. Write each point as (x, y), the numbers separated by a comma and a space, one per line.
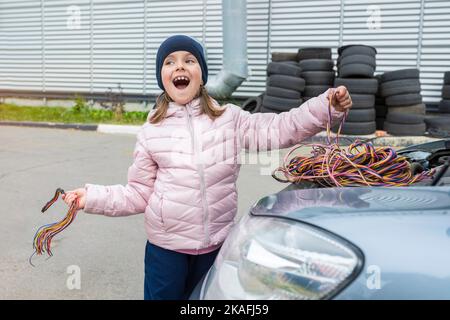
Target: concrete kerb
(112, 128)
(54, 125)
(394, 141)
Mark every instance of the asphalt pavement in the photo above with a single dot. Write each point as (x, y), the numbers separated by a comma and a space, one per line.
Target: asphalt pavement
(96, 257)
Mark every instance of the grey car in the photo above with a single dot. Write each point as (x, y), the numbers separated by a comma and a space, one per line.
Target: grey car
(307, 242)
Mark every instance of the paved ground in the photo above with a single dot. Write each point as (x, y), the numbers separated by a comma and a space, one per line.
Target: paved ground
(109, 252)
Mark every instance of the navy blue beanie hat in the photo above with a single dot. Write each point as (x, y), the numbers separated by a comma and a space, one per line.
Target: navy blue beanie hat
(180, 43)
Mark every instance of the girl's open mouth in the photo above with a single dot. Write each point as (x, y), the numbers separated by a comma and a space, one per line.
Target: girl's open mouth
(181, 82)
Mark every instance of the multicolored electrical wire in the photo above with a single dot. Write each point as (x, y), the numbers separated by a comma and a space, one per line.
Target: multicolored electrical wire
(361, 164)
(43, 237)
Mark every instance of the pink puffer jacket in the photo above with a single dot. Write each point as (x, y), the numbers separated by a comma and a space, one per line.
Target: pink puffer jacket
(185, 169)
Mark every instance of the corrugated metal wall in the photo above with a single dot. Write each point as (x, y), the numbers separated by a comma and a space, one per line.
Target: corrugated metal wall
(117, 44)
(296, 24)
(90, 45)
(435, 48)
(395, 35)
(21, 45)
(67, 45)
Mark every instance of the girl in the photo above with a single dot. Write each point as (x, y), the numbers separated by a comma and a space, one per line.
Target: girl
(180, 177)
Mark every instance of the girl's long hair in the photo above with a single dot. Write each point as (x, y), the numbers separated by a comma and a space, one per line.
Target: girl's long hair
(206, 102)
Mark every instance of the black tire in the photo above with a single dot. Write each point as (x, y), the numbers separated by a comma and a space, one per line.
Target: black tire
(316, 65)
(404, 99)
(258, 103)
(380, 123)
(403, 86)
(413, 109)
(356, 70)
(404, 118)
(268, 110)
(362, 86)
(405, 129)
(284, 56)
(444, 106)
(290, 62)
(280, 104)
(286, 82)
(283, 93)
(438, 133)
(363, 101)
(252, 104)
(314, 91)
(402, 90)
(315, 78)
(447, 77)
(357, 58)
(442, 123)
(357, 128)
(361, 115)
(381, 110)
(400, 74)
(249, 104)
(283, 68)
(353, 49)
(446, 92)
(314, 53)
(306, 98)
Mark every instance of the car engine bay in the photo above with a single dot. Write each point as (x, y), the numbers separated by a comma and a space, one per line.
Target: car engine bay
(432, 155)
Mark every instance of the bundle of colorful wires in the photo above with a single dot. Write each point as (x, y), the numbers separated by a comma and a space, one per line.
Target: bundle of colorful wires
(43, 237)
(361, 164)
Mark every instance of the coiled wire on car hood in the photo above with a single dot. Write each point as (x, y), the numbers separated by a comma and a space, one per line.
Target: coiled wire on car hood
(362, 164)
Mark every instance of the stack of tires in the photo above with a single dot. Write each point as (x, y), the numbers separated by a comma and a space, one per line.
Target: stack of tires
(439, 126)
(406, 112)
(444, 104)
(317, 70)
(284, 86)
(356, 65)
(285, 64)
(356, 61)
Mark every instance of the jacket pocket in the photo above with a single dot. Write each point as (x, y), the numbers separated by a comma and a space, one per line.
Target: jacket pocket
(161, 211)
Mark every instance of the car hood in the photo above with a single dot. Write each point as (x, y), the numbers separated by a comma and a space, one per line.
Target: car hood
(318, 204)
(403, 232)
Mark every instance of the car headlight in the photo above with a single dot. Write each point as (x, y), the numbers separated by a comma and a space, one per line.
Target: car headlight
(275, 258)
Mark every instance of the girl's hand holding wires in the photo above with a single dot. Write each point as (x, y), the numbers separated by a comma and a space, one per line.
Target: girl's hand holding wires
(70, 196)
(341, 100)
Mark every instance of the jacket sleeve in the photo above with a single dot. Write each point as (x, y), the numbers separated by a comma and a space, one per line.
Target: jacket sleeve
(267, 131)
(119, 200)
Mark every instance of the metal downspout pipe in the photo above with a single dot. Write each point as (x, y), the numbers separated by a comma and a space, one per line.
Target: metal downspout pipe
(234, 68)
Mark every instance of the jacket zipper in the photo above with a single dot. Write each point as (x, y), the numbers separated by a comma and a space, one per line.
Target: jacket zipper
(202, 182)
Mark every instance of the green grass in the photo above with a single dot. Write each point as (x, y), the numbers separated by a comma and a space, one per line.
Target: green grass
(11, 112)
(80, 113)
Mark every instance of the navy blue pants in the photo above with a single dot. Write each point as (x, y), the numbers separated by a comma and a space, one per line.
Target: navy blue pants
(170, 275)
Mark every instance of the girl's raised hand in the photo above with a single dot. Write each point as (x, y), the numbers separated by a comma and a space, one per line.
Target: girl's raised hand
(70, 196)
(341, 99)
